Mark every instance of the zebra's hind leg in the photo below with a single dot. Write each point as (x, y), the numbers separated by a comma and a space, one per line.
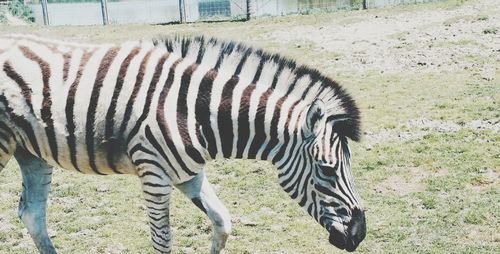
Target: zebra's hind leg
(157, 187)
(37, 176)
(203, 196)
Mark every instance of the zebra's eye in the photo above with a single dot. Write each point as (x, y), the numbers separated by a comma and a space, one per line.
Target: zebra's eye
(328, 170)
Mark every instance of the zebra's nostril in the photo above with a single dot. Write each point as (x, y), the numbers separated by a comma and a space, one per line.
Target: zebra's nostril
(338, 239)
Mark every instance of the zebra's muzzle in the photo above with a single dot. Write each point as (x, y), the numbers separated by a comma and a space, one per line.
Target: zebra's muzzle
(354, 233)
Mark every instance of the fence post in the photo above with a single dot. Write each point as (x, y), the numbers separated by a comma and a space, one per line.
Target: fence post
(182, 11)
(45, 13)
(249, 9)
(104, 10)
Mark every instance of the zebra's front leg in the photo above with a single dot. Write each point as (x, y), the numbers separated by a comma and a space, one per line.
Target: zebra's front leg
(203, 196)
(37, 176)
(156, 189)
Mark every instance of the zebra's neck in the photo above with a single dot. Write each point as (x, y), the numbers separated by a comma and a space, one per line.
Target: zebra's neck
(246, 103)
(257, 112)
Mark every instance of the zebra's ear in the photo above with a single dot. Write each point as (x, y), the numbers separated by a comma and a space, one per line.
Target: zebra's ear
(315, 115)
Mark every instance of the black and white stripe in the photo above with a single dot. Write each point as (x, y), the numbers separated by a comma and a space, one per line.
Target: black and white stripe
(162, 109)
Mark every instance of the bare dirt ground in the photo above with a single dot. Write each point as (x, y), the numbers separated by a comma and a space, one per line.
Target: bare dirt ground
(418, 128)
(406, 41)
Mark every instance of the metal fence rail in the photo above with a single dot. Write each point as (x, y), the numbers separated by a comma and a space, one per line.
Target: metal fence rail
(91, 12)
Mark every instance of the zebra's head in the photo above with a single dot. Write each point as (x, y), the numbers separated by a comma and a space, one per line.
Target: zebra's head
(320, 178)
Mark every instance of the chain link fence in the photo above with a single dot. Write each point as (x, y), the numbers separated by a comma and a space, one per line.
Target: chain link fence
(91, 12)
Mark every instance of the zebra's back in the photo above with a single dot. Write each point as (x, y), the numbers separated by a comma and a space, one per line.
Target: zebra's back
(110, 108)
(78, 106)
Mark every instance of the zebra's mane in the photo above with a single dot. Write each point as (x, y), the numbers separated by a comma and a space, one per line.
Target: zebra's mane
(347, 118)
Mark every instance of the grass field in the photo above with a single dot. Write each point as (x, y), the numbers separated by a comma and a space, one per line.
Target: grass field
(427, 80)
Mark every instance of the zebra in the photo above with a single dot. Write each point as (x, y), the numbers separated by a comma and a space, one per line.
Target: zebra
(161, 109)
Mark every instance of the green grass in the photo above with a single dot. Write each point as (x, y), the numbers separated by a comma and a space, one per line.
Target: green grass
(437, 192)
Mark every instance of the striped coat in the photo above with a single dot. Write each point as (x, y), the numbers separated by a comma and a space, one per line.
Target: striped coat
(161, 109)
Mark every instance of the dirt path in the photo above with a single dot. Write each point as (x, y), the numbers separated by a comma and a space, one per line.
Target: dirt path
(443, 39)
